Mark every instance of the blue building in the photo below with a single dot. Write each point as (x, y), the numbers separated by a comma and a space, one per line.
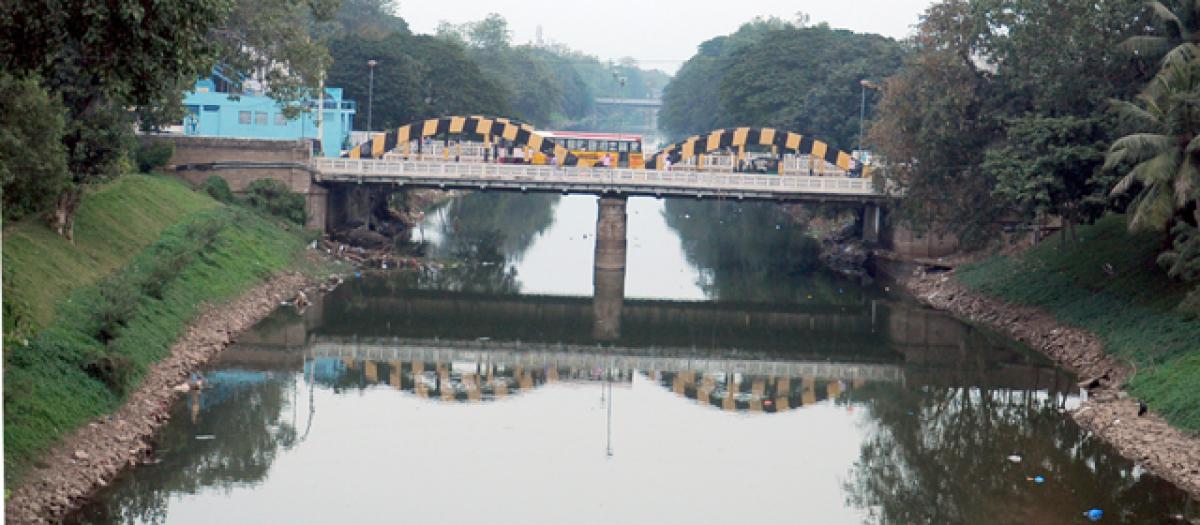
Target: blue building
(212, 113)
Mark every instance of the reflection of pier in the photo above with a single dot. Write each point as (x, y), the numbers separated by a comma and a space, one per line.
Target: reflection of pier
(590, 357)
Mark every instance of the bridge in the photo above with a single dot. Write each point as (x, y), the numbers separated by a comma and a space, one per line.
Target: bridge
(631, 102)
(599, 181)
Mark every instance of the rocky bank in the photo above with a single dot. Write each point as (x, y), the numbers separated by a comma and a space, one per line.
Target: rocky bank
(88, 459)
(1108, 411)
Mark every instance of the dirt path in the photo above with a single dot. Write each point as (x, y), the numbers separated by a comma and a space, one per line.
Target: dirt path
(88, 459)
(1108, 411)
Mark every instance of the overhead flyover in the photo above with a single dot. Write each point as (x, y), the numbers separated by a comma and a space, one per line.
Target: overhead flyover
(476, 127)
(739, 139)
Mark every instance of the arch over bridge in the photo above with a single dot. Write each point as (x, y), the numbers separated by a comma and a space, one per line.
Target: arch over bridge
(479, 127)
(520, 134)
(741, 138)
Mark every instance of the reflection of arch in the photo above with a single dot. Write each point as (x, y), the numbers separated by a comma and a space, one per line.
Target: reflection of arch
(449, 382)
(477, 127)
(740, 138)
(751, 392)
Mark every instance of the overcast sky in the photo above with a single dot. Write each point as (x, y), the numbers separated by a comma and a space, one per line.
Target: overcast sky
(660, 34)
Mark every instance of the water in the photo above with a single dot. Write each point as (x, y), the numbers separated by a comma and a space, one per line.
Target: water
(733, 380)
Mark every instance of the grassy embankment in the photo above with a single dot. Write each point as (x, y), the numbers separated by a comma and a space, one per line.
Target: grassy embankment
(1133, 310)
(83, 323)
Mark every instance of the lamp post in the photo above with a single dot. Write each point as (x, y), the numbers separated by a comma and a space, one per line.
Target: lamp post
(862, 109)
(370, 92)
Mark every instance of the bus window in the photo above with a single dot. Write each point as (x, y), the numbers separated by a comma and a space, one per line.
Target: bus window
(635, 147)
(612, 145)
(624, 147)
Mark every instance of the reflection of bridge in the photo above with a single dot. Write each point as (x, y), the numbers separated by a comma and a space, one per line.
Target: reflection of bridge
(590, 357)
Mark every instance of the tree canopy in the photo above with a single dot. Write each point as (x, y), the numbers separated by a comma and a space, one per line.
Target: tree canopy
(773, 73)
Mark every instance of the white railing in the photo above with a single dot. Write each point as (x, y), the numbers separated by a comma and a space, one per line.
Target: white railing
(572, 176)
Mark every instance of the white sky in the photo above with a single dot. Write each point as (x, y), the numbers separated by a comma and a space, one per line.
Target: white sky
(661, 35)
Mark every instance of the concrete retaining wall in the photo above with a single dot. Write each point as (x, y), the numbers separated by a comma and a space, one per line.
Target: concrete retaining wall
(242, 161)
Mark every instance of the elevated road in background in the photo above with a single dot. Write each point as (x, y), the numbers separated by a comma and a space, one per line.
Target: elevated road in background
(597, 181)
(631, 102)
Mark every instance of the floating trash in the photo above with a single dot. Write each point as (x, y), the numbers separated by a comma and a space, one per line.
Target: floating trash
(1037, 479)
(1015, 458)
(206, 437)
(1094, 514)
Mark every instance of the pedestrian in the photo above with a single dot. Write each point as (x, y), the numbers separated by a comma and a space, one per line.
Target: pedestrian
(666, 163)
(604, 161)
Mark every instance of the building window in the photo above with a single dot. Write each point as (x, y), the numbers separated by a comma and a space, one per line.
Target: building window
(212, 108)
(260, 118)
(243, 117)
(279, 120)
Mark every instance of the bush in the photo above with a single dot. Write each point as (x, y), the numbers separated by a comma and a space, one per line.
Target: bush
(217, 188)
(151, 156)
(273, 197)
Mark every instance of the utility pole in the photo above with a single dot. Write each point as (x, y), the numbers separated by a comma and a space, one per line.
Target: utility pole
(370, 92)
(862, 109)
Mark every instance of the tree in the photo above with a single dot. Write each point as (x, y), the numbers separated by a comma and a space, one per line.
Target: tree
(1163, 156)
(33, 163)
(1178, 37)
(1048, 165)
(955, 124)
(102, 58)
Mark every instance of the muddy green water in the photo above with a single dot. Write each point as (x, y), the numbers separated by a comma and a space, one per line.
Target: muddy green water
(732, 380)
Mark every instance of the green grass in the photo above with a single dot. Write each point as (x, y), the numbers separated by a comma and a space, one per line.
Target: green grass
(114, 223)
(1133, 311)
(112, 326)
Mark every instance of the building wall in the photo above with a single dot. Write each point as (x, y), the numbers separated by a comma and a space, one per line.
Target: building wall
(215, 114)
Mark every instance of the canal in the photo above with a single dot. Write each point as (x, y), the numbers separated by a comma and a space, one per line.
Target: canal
(729, 378)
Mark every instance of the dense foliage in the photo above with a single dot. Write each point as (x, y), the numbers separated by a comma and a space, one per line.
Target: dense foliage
(106, 63)
(984, 121)
(782, 75)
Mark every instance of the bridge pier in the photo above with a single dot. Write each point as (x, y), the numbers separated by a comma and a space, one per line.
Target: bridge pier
(610, 233)
(872, 222)
(608, 277)
(608, 301)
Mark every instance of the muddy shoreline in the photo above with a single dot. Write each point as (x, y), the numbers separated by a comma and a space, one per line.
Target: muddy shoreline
(93, 455)
(1109, 411)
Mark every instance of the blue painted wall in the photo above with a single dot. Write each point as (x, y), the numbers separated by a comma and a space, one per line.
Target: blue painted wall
(214, 114)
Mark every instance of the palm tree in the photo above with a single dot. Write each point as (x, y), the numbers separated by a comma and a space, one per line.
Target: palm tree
(1164, 157)
(1179, 40)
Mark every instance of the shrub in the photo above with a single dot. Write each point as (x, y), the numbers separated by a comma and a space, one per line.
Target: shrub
(154, 155)
(217, 188)
(273, 197)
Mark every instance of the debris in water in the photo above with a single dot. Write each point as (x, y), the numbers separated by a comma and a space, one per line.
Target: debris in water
(205, 437)
(1015, 458)
(1094, 514)
(483, 339)
(1037, 479)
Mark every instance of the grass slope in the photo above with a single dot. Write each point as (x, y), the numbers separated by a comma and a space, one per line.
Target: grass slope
(1132, 311)
(114, 223)
(109, 329)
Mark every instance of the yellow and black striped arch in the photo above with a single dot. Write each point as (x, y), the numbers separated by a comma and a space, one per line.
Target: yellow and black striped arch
(473, 127)
(736, 138)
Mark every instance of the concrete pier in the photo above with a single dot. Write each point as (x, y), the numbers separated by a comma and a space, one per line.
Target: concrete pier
(610, 234)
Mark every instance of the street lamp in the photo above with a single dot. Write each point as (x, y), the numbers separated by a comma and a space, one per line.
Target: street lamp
(370, 92)
(862, 109)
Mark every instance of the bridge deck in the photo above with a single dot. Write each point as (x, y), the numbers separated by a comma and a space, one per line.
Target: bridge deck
(521, 177)
(584, 357)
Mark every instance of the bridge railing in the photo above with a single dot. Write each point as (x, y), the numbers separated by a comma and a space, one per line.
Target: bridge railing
(573, 177)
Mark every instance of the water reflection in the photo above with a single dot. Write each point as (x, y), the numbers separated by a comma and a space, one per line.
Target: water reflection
(447, 395)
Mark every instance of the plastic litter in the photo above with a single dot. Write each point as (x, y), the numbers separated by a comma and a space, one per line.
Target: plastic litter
(1037, 479)
(1015, 458)
(205, 437)
(1094, 514)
